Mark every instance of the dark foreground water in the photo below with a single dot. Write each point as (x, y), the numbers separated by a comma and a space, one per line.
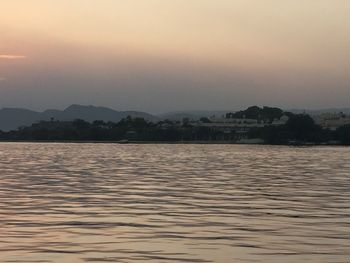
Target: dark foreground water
(173, 203)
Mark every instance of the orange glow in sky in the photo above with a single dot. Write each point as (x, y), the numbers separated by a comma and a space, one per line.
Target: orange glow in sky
(273, 44)
(12, 57)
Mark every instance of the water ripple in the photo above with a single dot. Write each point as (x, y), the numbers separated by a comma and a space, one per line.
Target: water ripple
(173, 203)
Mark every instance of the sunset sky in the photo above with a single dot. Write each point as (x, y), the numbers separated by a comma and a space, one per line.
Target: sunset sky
(165, 55)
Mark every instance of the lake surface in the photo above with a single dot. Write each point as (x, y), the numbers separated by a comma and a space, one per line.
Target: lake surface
(173, 203)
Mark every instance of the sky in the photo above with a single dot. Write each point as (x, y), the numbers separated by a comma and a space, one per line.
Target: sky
(166, 55)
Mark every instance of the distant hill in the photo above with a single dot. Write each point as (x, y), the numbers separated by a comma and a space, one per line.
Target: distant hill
(13, 118)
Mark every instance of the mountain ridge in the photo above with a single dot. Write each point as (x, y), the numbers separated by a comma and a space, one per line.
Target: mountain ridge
(13, 118)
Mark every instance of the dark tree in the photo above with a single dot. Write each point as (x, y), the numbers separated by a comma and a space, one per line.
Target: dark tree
(303, 127)
(343, 134)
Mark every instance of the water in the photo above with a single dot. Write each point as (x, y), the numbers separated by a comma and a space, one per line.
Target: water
(173, 203)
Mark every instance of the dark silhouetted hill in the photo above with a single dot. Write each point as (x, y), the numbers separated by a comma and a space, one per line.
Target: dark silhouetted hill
(12, 118)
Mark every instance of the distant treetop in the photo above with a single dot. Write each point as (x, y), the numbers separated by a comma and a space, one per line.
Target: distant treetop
(255, 112)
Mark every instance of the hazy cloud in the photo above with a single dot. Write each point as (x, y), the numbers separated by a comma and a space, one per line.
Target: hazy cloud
(12, 57)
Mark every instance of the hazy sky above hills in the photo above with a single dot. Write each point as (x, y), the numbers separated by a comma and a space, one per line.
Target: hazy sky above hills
(162, 55)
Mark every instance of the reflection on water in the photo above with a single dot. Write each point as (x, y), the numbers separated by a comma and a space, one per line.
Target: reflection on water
(173, 203)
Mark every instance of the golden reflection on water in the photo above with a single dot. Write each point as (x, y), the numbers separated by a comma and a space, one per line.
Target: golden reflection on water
(173, 203)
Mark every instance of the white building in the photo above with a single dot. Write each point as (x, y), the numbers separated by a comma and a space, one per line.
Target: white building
(282, 121)
(332, 121)
(234, 121)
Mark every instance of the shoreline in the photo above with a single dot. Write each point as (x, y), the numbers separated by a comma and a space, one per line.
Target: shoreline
(171, 142)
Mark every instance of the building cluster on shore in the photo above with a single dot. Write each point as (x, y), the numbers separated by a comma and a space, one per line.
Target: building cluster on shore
(332, 121)
(239, 126)
(242, 126)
